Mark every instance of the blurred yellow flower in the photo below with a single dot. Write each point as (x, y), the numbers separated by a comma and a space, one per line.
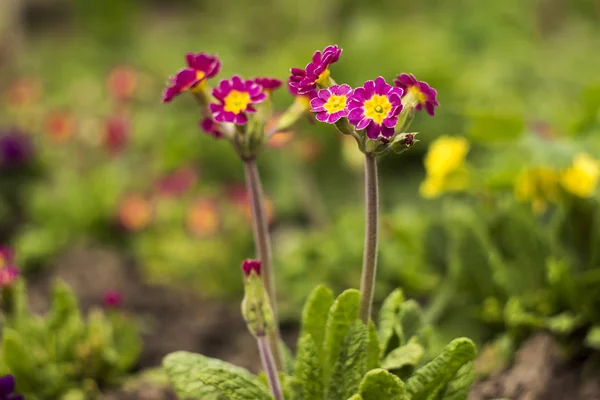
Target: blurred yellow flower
(444, 165)
(538, 185)
(446, 154)
(581, 178)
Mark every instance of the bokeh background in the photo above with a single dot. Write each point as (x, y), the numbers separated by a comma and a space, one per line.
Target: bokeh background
(99, 180)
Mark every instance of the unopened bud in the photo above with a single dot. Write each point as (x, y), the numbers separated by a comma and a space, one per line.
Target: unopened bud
(403, 142)
(256, 306)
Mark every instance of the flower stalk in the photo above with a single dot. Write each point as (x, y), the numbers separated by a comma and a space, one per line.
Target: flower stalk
(262, 243)
(369, 270)
(269, 366)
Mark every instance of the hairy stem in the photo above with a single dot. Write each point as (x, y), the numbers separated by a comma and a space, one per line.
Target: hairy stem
(262, 243)
(369, 270)
(268, 363)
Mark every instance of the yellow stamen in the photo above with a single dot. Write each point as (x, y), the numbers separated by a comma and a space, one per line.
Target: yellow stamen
(236, 101)
(377, 108)
(335, 104)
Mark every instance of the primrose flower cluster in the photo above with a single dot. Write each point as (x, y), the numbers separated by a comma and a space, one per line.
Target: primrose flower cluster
(381, 110)
(239, 109)
(227, 109)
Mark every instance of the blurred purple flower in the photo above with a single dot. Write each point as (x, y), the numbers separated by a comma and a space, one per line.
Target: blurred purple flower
(15, 149)
(112, 299)
(7, 389)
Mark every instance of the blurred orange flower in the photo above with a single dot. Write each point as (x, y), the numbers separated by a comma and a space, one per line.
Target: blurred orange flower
(122, 82)
(23, 92)
(279, 139)
(60, 125)
(135, 212)
(308, 149)
(203, 218)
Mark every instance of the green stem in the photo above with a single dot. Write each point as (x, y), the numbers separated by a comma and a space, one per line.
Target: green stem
(262, 243)
(369, 270)
(268, 362)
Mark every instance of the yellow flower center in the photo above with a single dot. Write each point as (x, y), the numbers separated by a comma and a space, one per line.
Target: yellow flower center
(417, 95)
(323, 79)
(377, 108)
(198, 86)
(335, 104)
(236, 101)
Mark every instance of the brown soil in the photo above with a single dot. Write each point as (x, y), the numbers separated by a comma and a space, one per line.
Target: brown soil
(173, 319)
(540, 372)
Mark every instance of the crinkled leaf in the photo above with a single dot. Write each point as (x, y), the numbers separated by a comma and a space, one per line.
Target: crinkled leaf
(411, 319)
(183, 367)
(441, 369)
(374, 350)
(352, 363)
(379, 384)
(315, 313)
(231, 384)
(458, 388)
(408, 355)
(341, 316)
(308, 369)
(388, 318)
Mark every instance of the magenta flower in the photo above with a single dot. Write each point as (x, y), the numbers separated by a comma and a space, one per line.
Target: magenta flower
(112, 299)
(375, 107)
(8, 274)
(317, 71)
(331, 104)
(418, 92)
(200, 68)
(236, 97)
(7, 256)
(211, 127)
(251, 265)
(268, 84)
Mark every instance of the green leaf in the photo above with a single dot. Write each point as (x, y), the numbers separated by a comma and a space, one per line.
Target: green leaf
(308, 369)
(352, 363)
(563, 323)
(411, 319)
(342, 315)
(374, 350)
(183, 367)
(356, 397)
(593, 337)
(19, 362)
(458, 388)
(315, 313)
(127, 340)
(292, 388)
(489, 128)
(408, 355)
(441, 369)
(515, 315)
(388, 318)
(379, 384)
(231, 384)
(64, 306)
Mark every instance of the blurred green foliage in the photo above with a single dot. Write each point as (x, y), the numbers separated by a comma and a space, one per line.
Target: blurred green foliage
(62, 355)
